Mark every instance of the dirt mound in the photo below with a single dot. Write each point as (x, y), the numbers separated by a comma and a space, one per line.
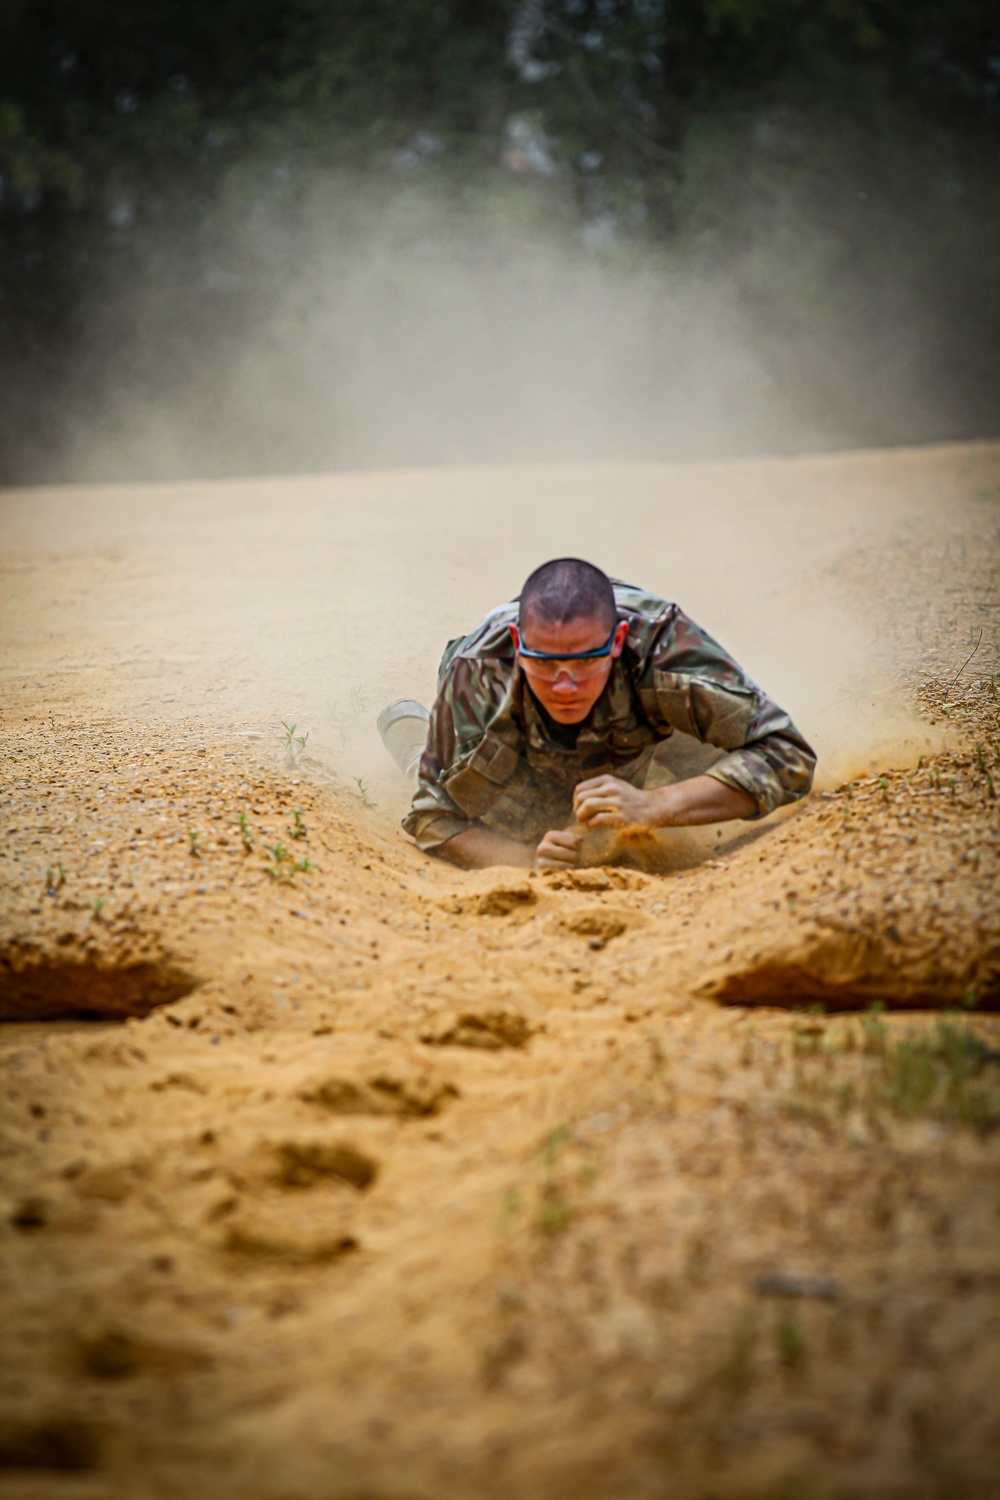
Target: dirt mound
(46, 987)
(486, 1028)
(850, 970)
(400, 1092)
(58, 1445)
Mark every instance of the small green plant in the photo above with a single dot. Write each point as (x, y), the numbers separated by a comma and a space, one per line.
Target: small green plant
(363, 791)
(948, 1074)
(884, 784)
(737, 1369)
(874, 1035)
(554, 1144)
(292, 741)
(193, 849)
(99, 906)
(554, 1210)
(298, 829)
(510, 1207)
(283, 865)
(247, 837)
(55, 879)
(791, 1343)
(807, 1038)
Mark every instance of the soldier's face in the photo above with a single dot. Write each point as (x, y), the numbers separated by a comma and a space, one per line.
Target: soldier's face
(568, 690)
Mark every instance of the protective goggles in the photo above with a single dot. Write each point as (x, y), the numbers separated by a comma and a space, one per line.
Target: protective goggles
(555, 660)
(604, 650)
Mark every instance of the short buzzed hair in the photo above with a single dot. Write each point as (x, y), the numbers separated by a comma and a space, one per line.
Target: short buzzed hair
(565, 589)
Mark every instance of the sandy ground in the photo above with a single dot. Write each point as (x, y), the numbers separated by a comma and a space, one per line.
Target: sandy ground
(343, 1175)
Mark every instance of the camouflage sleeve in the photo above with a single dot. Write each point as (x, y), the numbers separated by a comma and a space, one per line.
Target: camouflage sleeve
(697, 687)
(458, 718)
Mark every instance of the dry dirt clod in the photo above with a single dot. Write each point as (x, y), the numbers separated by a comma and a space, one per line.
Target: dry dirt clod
(54, 1444)
(46, 988)
(498, 900)
(486, 1029)
(786, 1284)
(303, 1163)
(380, 1093)
(252, 1241)
(602, 923)
(113, 1354)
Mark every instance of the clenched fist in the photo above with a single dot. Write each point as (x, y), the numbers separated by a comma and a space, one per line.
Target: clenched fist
(607, 802)
(559, 850)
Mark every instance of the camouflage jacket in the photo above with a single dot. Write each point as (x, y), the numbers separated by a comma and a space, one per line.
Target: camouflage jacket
(492, 757)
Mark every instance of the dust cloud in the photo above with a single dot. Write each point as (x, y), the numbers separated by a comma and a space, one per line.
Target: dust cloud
(503, 393)
(315, 600)
(355, 322)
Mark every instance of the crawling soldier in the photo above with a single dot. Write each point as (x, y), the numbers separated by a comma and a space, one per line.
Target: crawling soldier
(578, 706)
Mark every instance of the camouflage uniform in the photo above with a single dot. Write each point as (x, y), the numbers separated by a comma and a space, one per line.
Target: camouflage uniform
(492, 755)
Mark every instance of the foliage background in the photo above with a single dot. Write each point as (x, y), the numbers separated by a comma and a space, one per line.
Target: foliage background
(835, 162)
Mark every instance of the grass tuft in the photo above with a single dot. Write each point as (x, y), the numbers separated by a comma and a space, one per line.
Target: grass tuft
(292, 741)
(791, 1343)
(948, 1073)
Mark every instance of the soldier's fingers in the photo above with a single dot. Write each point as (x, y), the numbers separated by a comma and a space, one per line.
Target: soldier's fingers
(612, 818)
(597, 802)
(567, 838)
(595, 784)
(551, 857)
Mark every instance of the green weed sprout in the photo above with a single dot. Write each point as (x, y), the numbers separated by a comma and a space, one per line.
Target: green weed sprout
(948, 1074)
(193, 843)
(554, 1212)
(363, 791)
(248, 837)
(99, 905)
(284, 866)
(554, 1144)
(791, 1343)
(292, 742)
(298, 829)
(510, 1207)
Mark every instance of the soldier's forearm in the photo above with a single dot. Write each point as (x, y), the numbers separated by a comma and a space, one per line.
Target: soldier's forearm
(476, 848)
(703, 799)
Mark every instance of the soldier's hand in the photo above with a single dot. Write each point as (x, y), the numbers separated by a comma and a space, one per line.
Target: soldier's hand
(559, 850)
(607, 802)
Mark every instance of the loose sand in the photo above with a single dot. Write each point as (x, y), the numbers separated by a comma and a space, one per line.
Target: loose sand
(385, 1182)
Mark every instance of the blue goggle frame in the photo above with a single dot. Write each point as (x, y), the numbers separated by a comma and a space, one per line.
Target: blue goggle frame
(604, 650)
